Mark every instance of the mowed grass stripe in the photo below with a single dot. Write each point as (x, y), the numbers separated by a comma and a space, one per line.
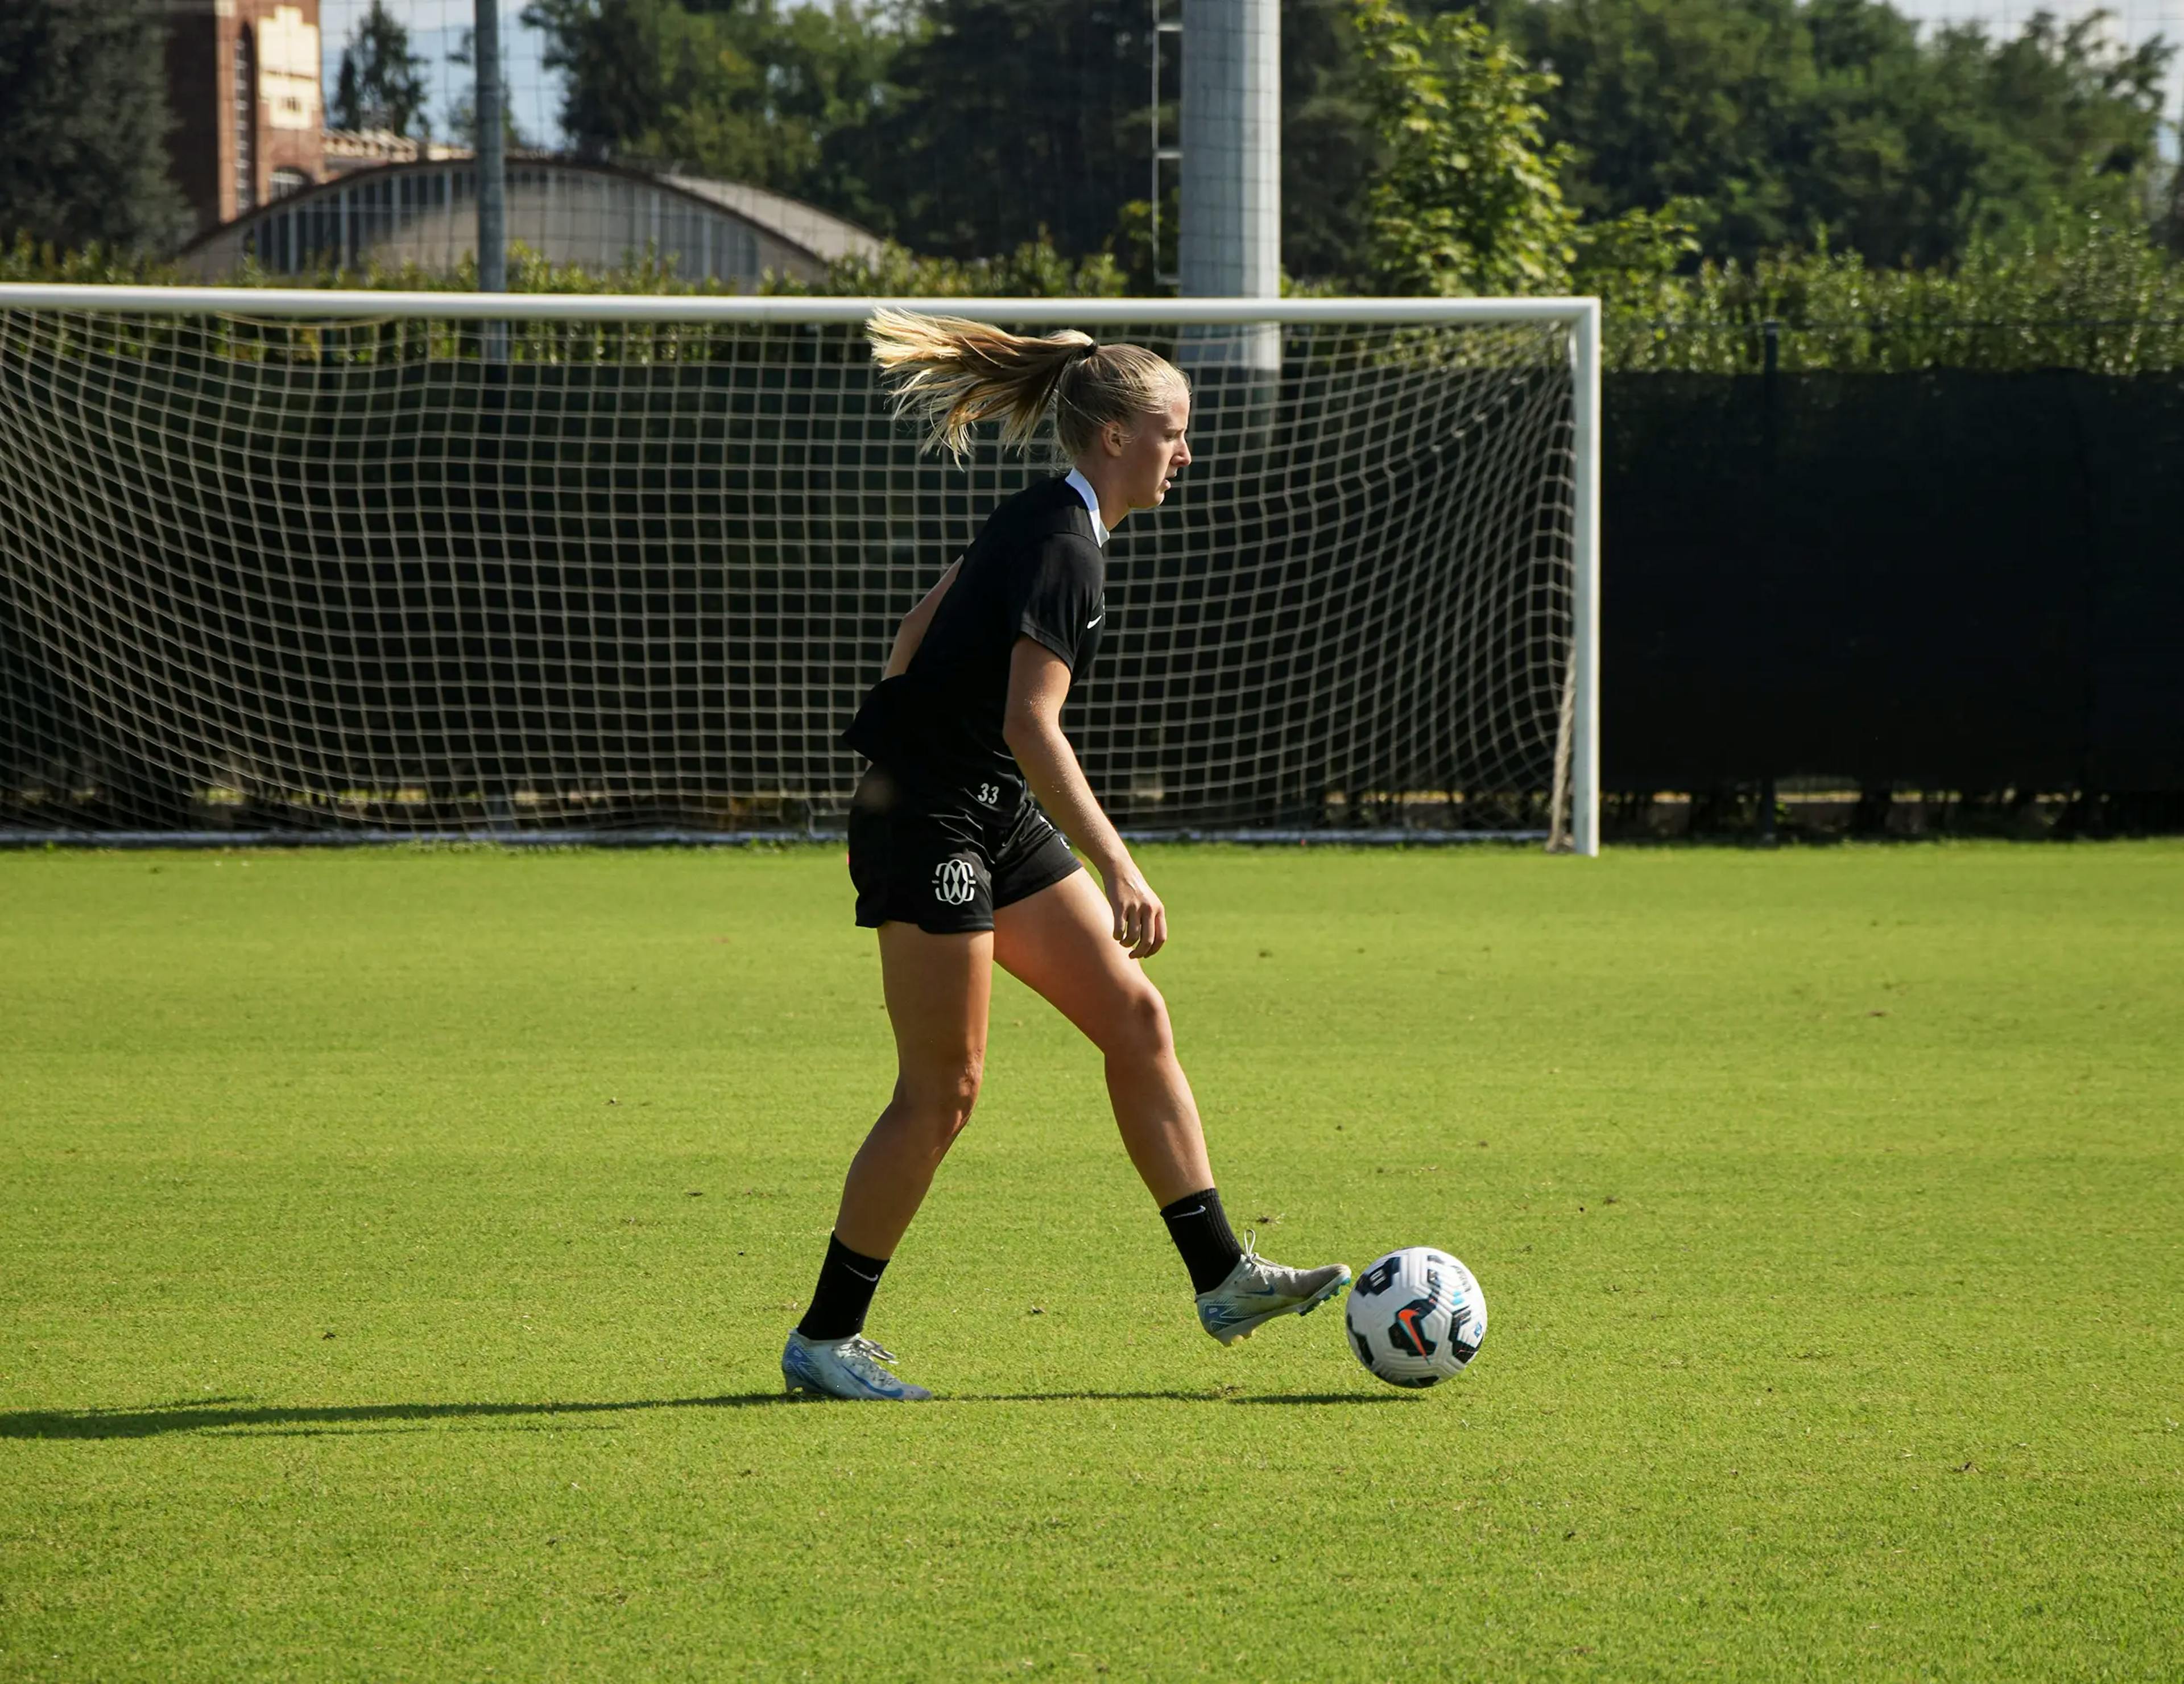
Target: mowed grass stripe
(398, 1246)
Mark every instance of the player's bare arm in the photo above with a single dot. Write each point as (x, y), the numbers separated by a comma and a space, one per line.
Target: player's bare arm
(1039, 683)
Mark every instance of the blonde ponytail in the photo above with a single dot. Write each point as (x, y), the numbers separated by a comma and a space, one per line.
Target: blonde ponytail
(950, 373)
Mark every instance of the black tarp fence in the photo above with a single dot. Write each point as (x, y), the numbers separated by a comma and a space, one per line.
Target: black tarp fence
(1950, 579)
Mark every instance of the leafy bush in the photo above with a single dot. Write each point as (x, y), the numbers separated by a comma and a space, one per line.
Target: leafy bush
(2100, 297)
(95, 265)
(1034, 269)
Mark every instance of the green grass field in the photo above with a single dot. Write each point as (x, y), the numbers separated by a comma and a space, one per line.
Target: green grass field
(397, 1246)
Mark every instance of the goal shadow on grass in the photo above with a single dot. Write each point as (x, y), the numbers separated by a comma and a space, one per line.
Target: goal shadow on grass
(1210, 1395)
(239, 1415)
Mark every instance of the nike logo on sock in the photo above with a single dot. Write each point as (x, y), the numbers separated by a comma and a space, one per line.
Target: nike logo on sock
(861, 1275)
(1195, 1210)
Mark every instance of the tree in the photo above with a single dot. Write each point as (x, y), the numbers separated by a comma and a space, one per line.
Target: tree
(1330, 150)
(1781, 118)
(1466, 198)
(2068, 120)
(1016, 119)
(737, 89)
(1662, 98)
(463, 117)
(834, 74)
(382, 83)
(965, 127)
(83, 148)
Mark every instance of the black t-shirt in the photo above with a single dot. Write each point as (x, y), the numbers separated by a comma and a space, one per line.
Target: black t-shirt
(1036, 571)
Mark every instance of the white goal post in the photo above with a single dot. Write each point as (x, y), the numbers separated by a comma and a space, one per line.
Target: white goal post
(375, 563)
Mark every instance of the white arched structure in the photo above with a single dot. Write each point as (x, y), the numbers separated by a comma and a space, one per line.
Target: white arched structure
(596, 215)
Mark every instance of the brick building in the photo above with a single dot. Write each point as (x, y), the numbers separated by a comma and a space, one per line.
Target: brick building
(242, 81)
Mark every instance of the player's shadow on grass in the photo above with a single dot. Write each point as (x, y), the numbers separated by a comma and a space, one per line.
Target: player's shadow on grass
(215, 1414)
(239, 1414)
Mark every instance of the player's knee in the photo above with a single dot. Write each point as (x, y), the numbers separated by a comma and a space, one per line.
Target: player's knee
(961, 1094)
(1140, 1028)
(938, 1102)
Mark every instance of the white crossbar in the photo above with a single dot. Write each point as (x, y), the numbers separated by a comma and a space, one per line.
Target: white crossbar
(327, 305)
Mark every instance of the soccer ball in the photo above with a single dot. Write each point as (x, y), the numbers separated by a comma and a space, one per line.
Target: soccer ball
(1416, 1317)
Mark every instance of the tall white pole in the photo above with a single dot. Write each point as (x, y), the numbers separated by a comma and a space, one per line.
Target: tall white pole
(1229, 245)
(1231, 237)
(1584, 631)
(492, 149)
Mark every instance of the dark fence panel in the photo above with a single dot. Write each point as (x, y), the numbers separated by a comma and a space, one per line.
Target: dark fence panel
(1962, 580)
(2134, 457)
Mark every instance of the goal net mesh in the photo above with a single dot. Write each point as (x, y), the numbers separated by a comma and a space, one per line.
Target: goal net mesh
(401, 574)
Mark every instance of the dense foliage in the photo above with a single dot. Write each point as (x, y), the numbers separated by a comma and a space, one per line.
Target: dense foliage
(1016, 119)
(966, 127)
(83, 124)
(961, 127)
(745, 90)
(1783, 118)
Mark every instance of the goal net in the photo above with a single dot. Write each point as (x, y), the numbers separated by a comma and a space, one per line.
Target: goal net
(381, 565)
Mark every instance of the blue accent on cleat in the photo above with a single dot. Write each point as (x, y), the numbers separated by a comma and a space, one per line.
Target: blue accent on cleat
(1257, 1291)
(848, 1369)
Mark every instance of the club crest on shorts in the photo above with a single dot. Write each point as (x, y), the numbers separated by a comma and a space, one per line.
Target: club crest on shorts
(955, 883)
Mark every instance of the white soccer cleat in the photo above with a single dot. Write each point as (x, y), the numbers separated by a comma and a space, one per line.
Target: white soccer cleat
(1257, 1292)
(845, 1368)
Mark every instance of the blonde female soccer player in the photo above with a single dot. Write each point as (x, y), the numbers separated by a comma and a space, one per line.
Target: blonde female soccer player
(957, 866)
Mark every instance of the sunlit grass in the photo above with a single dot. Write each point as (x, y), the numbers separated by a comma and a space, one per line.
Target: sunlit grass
(398, 1246)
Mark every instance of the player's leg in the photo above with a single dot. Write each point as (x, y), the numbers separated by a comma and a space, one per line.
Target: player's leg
(1059, 940)
(938, 988)
(923, 884)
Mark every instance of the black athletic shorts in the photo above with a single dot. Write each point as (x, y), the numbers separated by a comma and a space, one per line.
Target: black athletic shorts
(941, 860)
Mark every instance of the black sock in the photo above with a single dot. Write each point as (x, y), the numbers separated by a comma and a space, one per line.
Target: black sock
(1199, 1228)
(847, 1281)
